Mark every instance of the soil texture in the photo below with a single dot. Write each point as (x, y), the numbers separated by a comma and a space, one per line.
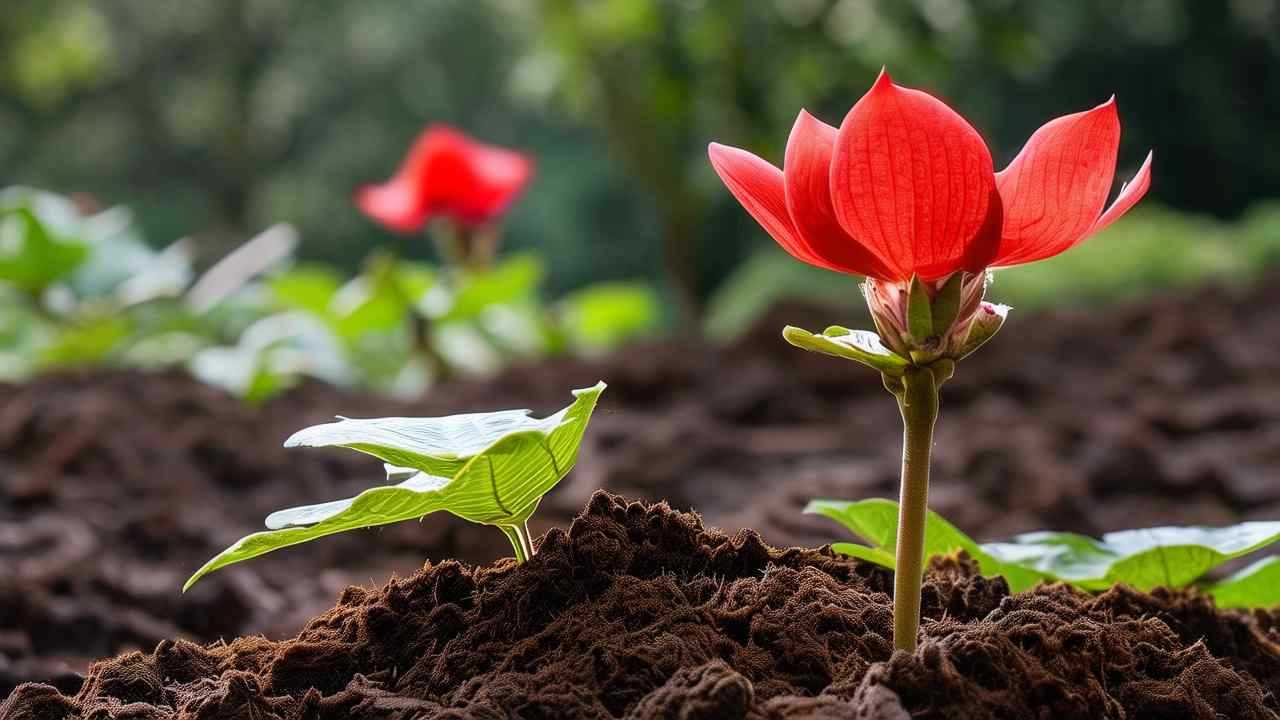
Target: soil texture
(638, 611)
(114, 485)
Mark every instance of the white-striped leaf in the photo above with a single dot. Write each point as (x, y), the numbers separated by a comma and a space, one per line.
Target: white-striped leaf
(498, 483)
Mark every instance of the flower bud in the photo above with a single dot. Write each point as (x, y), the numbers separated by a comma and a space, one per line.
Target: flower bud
(925, 320)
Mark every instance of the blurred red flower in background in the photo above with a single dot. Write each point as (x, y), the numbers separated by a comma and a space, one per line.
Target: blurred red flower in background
(447, 174)
(906, 187)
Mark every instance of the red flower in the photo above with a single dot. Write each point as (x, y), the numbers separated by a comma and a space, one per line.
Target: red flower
(906, 187)
(447, 174)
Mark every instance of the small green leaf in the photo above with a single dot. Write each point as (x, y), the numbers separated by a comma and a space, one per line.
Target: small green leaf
(919, 311)
(1177, 556)
(875, 521)
(515, 280)
(602, 316)
(32, 256)
(1144, 559)
(858, 345)
(946, 305)
(88, 341)
(876, 556)
(308, 287)
(1256, 586)
(491, 469)
(368, 303)
(1063, 555)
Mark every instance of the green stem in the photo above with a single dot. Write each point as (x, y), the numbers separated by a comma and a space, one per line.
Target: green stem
(527, 537)
(419, 326)
(448, 241)
(521, 540)
(918, 401)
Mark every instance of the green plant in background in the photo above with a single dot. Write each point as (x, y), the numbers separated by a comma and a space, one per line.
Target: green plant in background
(263, 119)
(458, 189)
(364, 331)
(83, 289)
(488, 468)
(1153, 557)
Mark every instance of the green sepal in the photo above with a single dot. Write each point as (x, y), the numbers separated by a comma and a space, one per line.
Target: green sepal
(986, 323)
(919, 311)
(858, 345)
(946, 304)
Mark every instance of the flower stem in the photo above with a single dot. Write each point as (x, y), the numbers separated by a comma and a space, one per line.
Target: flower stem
(419, 326)
(917, 395)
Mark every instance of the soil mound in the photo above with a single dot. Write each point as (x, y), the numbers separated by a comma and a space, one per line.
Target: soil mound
(115, 485)
(639, 611)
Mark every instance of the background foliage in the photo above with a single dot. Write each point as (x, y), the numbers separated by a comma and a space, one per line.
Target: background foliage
(217, 118)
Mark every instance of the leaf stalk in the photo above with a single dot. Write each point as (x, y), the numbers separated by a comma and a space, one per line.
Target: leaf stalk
(521, 541)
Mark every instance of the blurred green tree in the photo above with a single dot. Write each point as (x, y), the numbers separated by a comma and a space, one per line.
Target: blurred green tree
(221, 116)
(663, 77)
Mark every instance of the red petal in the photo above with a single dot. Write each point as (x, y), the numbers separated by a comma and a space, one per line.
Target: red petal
(447, 173)
(1129, 196)
(914, 183)
(394, 204)
(474, 182)
(807, 177)
(758, 185)
(1055, 189)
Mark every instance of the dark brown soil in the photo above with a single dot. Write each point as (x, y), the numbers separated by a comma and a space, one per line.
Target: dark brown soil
(114, 486)
(639, 611)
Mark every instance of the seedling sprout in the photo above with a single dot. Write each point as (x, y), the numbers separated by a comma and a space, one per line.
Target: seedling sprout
(488, 468)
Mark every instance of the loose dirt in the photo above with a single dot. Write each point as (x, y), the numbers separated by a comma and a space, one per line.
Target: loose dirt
(639, 611)
(114, 486)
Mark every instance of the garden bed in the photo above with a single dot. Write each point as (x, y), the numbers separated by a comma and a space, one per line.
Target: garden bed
(637, 610)
(114, 486)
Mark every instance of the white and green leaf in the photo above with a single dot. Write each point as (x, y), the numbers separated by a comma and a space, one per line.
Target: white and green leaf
(1256, 586)
(858, 345)
(1144, 559)
(875, 522)
(491, 469)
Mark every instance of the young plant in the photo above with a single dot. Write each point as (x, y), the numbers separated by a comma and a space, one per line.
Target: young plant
(353, 331)
(488, 468)
(905, 194)
(1145, 559)
(460, 188)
